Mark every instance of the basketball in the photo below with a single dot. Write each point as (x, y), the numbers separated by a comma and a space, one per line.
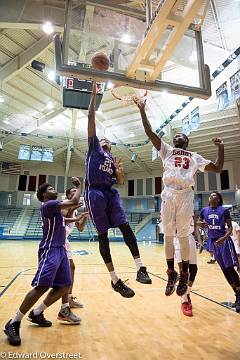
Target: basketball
(100, 61)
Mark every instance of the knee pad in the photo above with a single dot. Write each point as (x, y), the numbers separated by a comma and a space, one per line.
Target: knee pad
(192, 271)
(104, 248)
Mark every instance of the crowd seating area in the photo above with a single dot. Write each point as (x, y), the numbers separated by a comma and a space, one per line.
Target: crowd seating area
(25, 223)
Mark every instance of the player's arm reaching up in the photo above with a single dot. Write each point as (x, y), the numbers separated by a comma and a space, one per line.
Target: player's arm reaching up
(91, 112)
(119, 171)
(156, 141)
(66, 204)
(218, 165)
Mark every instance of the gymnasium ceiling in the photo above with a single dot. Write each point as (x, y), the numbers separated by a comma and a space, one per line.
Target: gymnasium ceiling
(27, 92)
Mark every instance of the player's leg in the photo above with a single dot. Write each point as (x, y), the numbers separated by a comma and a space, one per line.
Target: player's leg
(49, 261)
(73, 303)
(117, 218)
(63, 277)
(169, 228)
(211, 252)
(69, 298)
(184, 211)
(97, 203)
(186, 299)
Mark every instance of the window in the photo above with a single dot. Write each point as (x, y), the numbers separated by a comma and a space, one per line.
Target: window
(200, 181)
(224, 180)
(139, 186)
(212, 181)
(26, 199)
(9, 199)
(130, 187)
(149, 186)
(158, 185)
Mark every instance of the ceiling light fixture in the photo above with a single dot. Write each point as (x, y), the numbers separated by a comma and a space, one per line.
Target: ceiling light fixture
(109, 85)
(193, 56)
(51, 75)
(48, 28)
(1, 99)
(126, 39)
(131, 134)
(6, 121)
(50, 105)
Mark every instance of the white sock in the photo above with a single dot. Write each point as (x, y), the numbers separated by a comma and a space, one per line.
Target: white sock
(18, 317)
(64, 306)
(189, 289)
(138, 263)
(184, 297)
(114, 277)
(70, 296)
(39, 309)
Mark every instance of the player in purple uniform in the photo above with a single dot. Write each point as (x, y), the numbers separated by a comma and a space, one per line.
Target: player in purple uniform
(216, 217)
(103, 202)
(53, 264)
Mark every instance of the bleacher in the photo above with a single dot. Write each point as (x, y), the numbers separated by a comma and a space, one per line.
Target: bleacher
(25, 223)
(8, 217)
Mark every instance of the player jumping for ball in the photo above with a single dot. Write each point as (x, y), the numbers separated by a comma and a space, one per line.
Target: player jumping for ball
(180, 166)
(103, 202)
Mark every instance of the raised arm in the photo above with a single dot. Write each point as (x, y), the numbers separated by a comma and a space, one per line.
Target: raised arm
(119, 171)
(218, 165)
(66, 204)
(91, 112)
(156, 141)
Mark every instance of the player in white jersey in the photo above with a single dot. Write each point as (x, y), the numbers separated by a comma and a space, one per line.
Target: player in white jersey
(180, 167)
(236, 239)
(186, 303)
(71, 219)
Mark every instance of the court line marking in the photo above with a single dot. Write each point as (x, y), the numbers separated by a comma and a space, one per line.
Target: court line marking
(102, 291)
(12, 281)
(202, 296)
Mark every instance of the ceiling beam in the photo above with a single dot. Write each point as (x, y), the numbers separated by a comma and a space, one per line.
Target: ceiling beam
(37, 124)
(24, 58)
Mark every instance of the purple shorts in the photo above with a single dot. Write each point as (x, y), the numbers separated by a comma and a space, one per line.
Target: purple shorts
(210, 245)
(105, 209)
(53, 268)
(225, 254)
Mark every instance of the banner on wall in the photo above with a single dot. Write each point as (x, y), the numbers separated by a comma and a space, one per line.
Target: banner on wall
(186, 125)
(235, 86)
(222, 97)
(195, 119)
(154, 153)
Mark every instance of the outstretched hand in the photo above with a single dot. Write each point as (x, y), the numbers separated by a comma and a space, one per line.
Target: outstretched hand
(118, 166)
(217, 141)
(76, 181)
(141, 103)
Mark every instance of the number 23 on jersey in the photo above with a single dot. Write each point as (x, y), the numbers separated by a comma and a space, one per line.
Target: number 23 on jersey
(182, 162)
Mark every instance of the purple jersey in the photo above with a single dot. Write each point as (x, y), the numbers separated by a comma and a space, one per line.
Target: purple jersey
(54, 232)
(100, 168)
(215, 218)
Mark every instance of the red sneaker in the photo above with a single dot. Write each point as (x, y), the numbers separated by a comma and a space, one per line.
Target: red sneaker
(187, 307)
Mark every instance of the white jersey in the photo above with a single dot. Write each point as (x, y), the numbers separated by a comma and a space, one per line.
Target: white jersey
(70, 226)
(180, 166)
(236, 229)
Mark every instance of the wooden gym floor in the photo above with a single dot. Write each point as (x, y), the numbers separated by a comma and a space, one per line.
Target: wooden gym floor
(148, 326)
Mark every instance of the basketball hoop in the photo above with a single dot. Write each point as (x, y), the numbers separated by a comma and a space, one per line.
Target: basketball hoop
(127, 95)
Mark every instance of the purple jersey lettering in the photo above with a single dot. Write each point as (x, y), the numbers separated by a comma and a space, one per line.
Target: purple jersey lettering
(215, 219)
(54, 232)
(100, 168)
